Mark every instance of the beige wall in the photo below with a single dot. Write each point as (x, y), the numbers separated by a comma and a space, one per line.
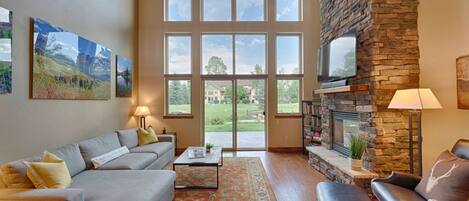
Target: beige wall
(30, 126)
(281, 132)
(444, 36)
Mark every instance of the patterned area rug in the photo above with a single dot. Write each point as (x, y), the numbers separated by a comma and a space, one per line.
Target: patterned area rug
(241, 179)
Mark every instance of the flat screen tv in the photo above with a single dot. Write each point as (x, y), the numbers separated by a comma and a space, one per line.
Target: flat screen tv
(337, 60)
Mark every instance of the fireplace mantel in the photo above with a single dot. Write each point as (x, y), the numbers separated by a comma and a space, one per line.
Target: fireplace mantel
(342, 89)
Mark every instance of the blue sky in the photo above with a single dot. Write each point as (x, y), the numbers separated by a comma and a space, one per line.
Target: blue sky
(250, 10)
(250, 50)
(287, 10)
(217, 10)
(179, 55)
(179, 10)
(288, 54)
(123, 64)
(220, 46)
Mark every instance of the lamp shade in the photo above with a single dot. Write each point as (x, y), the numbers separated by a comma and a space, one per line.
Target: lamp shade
(142, 111)
(421, 98)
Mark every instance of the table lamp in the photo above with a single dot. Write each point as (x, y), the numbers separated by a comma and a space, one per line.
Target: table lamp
(415, 100)
(142, 112)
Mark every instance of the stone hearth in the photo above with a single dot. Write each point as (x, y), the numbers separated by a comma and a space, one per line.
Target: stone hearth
(387, 60)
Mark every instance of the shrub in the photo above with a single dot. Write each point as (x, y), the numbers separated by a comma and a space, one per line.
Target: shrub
(217, 121)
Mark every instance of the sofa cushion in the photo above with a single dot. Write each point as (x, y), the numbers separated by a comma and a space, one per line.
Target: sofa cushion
(14, 173)
(98, 146)
(71, 155)
(159, 148)
(2, 184)
(141, 185)
(128, 137)
(131, 161)
(385, 191)
(448, 179)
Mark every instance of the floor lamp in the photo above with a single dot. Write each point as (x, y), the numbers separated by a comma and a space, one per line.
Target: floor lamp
(415, 100)
(141, 112)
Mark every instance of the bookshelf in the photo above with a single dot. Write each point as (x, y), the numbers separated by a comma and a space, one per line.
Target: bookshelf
(311, 123)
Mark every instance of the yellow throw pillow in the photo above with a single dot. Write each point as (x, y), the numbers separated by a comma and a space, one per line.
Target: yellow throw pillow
(146, 137)
(51, 172)
(152, 131)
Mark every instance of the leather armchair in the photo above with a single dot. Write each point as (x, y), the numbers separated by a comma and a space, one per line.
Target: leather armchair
(400, 186)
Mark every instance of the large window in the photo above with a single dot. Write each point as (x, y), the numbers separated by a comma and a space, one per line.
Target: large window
(289, 71)
(178, 71)
(288, 10)
(178, 10)
(249, 54)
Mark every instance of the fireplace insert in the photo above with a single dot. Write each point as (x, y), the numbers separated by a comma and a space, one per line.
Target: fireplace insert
(344, 124)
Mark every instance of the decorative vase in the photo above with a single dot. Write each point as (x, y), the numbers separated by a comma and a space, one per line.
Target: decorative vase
(356, 164)
(208, 150)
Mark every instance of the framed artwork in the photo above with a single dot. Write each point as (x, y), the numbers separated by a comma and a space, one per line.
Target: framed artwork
(123, 77)
(6, 22)
(67, 66)
(462, 74)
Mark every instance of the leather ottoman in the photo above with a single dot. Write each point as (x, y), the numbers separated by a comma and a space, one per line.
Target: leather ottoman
(331, 191)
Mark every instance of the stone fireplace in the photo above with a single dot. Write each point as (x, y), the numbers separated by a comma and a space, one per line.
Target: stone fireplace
(387, 60)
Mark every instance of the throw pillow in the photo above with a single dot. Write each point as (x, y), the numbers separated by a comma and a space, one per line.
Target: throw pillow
(448, 179)
(2, 184)
(103, 159)
(146, 137)
(152, 131)
(51, 172)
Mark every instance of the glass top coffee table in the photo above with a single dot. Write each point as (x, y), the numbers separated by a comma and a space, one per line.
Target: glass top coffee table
(212, 159)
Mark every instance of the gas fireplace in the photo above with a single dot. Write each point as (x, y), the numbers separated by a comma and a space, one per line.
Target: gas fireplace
(344, 124)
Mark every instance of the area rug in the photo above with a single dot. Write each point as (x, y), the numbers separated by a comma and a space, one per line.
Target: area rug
(241, 179)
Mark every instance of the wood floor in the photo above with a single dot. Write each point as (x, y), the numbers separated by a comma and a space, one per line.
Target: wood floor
(291, 177)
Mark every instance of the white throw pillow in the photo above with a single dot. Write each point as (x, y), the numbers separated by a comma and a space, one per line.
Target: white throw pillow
(99, 161)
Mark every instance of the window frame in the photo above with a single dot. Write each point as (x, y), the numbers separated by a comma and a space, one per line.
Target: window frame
(170, 77)
(300, 51)
(166, 12)
(166, 96)
(300, 13)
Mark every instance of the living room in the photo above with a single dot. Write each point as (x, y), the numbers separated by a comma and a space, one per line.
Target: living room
(234, 100)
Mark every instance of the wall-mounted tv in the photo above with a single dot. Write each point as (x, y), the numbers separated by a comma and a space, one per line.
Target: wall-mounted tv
(337, 60)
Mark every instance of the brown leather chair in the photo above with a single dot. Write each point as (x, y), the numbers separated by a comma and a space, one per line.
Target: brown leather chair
(400, 186)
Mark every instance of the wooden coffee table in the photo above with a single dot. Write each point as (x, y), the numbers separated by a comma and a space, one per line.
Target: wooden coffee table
(212, 159)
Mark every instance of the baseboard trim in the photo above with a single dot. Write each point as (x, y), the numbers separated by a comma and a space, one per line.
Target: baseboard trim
(285, 149)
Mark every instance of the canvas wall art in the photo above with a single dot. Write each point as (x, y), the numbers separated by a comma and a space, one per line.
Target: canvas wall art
(68, 66)
(6, 22)
(123, 77)
(462, 73)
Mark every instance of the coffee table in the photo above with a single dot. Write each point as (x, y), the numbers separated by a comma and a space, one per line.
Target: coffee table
(212, 159)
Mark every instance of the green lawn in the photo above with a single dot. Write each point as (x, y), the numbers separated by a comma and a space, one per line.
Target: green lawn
(218, 117)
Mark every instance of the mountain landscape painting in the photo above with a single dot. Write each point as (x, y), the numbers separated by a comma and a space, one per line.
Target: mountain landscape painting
(123, 77)
(67, 66)
(5, 50)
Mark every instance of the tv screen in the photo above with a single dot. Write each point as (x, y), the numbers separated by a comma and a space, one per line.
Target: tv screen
(337, 60)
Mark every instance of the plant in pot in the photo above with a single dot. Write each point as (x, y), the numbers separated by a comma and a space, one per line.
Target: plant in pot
(208, 147)
(357, 148)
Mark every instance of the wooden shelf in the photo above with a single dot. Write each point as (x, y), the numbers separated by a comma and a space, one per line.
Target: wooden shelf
(342, 89)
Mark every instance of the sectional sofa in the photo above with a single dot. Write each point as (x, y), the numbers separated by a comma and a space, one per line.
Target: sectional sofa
(136, 176)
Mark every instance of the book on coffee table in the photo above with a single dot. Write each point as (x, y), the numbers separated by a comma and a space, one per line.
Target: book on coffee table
(196, 152)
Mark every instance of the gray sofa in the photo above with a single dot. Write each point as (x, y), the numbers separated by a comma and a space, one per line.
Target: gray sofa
(133, 176)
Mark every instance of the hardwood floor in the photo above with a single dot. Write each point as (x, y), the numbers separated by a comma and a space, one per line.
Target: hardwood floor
(291, 177)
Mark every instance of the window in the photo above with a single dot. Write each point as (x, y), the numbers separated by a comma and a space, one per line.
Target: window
(216, 10)
(250, 54)
(178, 60)
(217, 54)
(178, 97)
(288, 96)
(250, 10)
(288, 54)
(288, 10)
(178, 10)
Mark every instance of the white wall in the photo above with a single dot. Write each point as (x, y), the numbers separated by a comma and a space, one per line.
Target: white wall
(30, 126)
(444, 36)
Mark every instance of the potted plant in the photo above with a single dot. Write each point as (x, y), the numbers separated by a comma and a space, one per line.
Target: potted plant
(208, 147)
(357, 148)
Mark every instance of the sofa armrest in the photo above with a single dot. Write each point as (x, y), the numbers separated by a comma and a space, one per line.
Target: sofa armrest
(43, 194)
(167, 138)
(401, 179)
